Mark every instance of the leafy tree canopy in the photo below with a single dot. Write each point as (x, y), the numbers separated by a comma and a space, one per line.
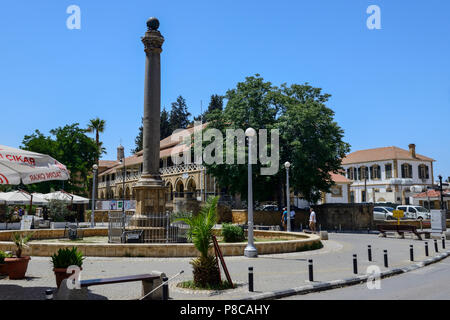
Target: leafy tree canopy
(309, 137)
(72, 147)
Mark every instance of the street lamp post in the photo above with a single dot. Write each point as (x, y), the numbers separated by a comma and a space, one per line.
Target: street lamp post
(94, 167)
(250, 251)
(122, 161)
(442, 193)
(287, 165)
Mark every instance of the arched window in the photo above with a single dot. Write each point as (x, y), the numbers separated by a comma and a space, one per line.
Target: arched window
(375, 172)
(363, 173)
(350, 173)
(424, 172)
(407, 171)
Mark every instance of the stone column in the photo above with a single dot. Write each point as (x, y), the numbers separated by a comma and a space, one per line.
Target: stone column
(150, 190)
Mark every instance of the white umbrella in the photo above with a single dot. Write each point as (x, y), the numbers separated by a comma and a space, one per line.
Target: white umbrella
(21, 197)
(18, 165)
(65, 196)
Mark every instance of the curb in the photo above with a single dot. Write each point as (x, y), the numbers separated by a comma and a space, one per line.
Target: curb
(323, 286)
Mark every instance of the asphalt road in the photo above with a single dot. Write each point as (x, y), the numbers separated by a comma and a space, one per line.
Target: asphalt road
(428, 283)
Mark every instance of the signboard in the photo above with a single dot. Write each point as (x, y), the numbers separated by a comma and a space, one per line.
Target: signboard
(25, 223)
(438, 221)
(398, 214)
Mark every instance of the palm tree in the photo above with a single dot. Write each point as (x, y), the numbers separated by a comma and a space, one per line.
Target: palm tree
(205, 267)
(98, 126)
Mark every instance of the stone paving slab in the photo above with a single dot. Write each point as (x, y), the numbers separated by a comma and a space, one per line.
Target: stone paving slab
(271, 272)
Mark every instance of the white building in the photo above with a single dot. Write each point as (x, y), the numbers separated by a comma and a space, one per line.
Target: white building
(389, 174)
(340, 191)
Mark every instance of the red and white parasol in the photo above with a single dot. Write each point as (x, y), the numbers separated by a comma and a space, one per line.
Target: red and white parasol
(18, 165)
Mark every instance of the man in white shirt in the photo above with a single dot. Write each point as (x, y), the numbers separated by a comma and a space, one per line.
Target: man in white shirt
(312, 220)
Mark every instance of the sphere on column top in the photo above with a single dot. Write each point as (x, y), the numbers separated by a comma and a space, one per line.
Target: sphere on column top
(153, 23)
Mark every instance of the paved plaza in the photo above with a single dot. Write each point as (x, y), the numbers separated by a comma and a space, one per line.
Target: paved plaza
(271, 272)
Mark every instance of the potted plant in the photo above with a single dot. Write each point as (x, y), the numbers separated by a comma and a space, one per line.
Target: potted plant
(3, 268)
(62, 260)
(17, 266)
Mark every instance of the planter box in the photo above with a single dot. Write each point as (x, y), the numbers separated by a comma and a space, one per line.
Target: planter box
(10, 226)
(58, 225)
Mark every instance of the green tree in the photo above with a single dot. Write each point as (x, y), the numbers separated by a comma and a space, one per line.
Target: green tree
(139, 140)
(179, 115)
(165, 124)
(69, 146)
(309, 137)
(205, 268)
(215, 105)
(98, 126)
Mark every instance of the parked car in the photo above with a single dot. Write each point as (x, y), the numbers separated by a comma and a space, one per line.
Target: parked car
(415, 212)
(383, 213)
(269, 207)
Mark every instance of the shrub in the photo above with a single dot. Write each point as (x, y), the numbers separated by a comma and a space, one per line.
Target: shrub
(65, 258)
(59, 212)
(232, 233)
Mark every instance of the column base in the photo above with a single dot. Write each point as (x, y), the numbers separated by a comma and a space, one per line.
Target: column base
(150, 196)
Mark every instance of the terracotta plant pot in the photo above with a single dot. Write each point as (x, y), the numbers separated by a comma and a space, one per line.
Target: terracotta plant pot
(3, 269)
(61, 274)
(17, 267)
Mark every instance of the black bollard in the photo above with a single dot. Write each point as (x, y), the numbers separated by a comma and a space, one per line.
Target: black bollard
(310, 268)
(411, 252)
(250, 279)
(436, 246)
(443, 242)
(369, 251)
(165, 288)
(426, 249)
(386, 265)
(48, 294)
(355, 264)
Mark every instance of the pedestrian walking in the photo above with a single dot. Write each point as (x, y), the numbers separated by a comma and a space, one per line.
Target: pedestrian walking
(292, 219)
(284, 217)
(312, 220)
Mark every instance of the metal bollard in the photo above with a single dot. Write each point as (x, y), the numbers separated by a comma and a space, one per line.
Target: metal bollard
(355, 264)
(48, 294)
(250, 279)
(426, 249)
(443, 242)
(386, 265)
(369, 251)
(411, 252)
(310, 268)
(165, 288)
(436, 246)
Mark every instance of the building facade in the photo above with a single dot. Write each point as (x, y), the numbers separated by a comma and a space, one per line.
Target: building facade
(187, 184)
(389, 174)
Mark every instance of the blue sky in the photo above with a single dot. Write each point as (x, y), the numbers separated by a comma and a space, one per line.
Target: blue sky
(389, 86)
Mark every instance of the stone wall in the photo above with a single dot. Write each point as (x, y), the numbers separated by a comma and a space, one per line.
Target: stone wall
(329, 216)
(299, 242)
(348, 216)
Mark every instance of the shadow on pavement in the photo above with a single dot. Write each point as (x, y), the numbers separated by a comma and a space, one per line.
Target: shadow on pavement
(16, 292)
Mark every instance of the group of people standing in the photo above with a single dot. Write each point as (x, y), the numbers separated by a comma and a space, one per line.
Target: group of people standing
(291, 215)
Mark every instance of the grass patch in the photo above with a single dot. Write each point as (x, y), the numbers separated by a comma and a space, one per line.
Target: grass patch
(225, 285)
(309, 247)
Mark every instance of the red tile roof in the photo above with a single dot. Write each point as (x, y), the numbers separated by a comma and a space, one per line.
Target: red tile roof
(379, 154)
(432, 194)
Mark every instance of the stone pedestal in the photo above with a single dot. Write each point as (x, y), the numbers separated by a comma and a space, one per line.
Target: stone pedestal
(150, 199)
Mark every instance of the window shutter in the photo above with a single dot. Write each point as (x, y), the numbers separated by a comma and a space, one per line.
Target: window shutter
(410, 171)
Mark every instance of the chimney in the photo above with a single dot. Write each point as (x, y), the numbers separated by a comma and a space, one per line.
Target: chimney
(120, 153)
(412, 150)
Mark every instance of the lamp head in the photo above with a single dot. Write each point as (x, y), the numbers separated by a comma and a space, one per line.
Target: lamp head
(287, 164)
(250, 132)
(95, 167)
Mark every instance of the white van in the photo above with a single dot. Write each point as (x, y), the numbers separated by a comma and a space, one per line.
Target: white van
(415, 212)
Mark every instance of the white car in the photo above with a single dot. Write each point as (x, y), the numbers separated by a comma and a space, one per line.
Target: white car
(415, 212)
(383, 213)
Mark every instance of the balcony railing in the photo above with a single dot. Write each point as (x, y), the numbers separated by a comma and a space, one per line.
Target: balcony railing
(163, 171)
